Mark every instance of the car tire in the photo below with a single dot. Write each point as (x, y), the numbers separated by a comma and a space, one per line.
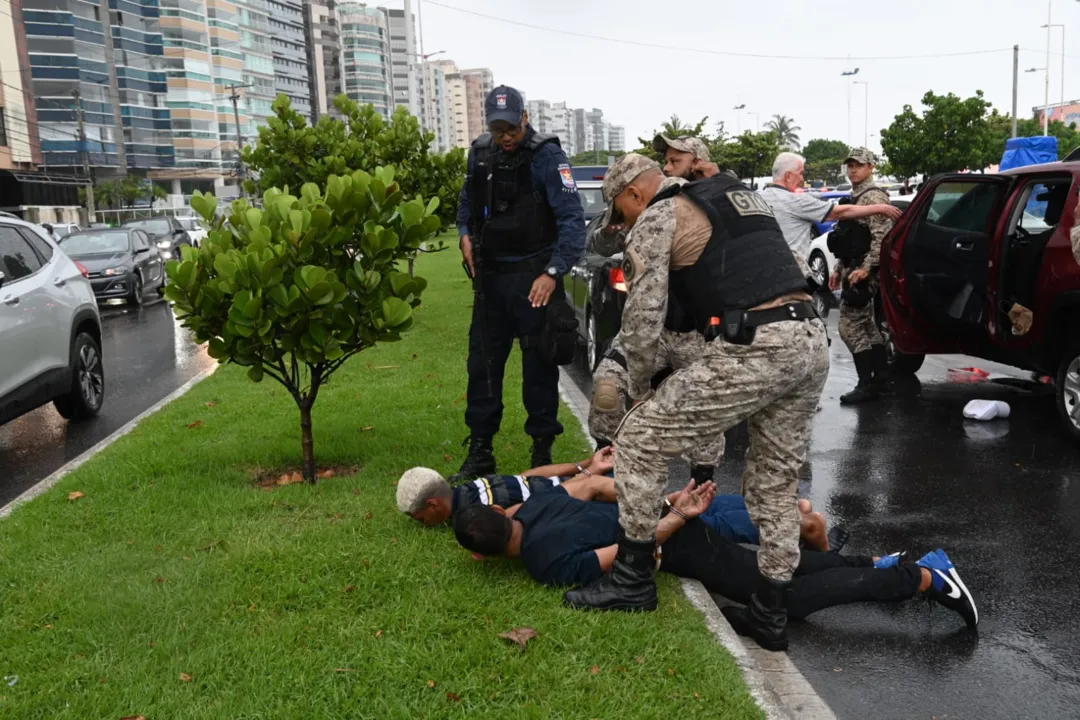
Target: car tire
(819, 266)
(592, 347)
(899, 363)
(1067, 390)
(87, 392)
(135, 299)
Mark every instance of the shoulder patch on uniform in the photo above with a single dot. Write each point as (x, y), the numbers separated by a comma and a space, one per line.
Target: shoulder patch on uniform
(632, 265)
(567, 176)
(748, 202)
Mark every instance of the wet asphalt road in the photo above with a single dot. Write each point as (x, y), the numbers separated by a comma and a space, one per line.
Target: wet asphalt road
(147, 356)
(1002, 498)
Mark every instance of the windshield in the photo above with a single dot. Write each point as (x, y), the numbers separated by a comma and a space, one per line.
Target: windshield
(64, 230)
(91, 243)
(156, 226)
(592, 199)
(189, 223)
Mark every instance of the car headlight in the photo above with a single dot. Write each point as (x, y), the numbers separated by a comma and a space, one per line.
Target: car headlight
(110, 272)
(164, 244)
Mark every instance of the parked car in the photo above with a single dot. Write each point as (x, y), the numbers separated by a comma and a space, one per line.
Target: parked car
(824, 226)
(120, 262)
(591, 193)
(50, 329)
(596, 288)
(166, 233)
(194, 228)
(821, 260)
(971, 246)
(62, 230)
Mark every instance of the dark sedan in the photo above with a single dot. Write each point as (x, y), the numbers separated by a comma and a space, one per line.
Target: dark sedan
(597, 290)
(120, 262)
(166, 233)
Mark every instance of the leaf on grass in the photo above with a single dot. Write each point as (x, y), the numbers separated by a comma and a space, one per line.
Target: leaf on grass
(159, 580)
(639, 660)
(196, 424)
(369, 515)
(453, 697)
(185, 677)
(697, 696)
(595, 669)
(133, 717)
(367, 428)
(448, 458)
(349, 588)
(76, 495)
(325, 474)
(290, 479)
(356, 491)
(431, 683)
(671, 671)
(211, 404)
(521, 636)
(343, 670)
(385, 367)
(48, 626)
(378, 633)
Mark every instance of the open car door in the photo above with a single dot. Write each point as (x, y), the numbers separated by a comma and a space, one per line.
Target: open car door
(935, 269)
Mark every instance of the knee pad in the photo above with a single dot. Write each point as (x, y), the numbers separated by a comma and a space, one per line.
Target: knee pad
(606, 397)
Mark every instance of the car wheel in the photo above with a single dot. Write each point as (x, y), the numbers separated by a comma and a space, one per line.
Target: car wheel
(899, 363)
(592, 352)
(821, 304)
(819, 266)
(87, 382)
(1067, 390)
(136, 297)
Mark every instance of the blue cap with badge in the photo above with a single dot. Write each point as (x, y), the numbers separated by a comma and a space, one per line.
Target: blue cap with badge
(505, 104)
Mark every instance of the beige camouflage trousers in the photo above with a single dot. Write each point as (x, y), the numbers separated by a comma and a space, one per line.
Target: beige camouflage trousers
(774, 383)
(858, 328)
(611, 391)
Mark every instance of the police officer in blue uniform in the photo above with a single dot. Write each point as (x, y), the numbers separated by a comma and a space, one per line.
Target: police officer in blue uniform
(522, 228)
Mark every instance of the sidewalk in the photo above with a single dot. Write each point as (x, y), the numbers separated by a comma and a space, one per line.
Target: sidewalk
(173, 587)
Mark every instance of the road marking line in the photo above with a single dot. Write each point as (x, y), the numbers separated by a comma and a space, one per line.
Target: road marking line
(65, 469)
(779, 688)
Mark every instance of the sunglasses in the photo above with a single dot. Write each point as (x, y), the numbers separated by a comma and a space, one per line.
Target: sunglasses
(504, 130)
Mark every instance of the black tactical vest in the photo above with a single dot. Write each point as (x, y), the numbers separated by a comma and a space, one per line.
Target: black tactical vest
(745, 263)
(510, 215)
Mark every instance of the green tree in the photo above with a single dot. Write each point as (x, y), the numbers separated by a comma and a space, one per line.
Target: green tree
(672, 128)
(787, 132)
(595, 157)
(825, 160)
(749, 155)
(999, 130)
(293, 290)
(290, 152)
(951, 135)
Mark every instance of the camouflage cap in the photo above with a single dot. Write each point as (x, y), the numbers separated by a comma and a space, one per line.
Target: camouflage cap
(862, 155)
(619, 176)
(688, 144)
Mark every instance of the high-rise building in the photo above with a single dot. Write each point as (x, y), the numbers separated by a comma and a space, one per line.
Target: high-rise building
(458, 107)
(20, 146)
(256, 52)
(436, 114)
(555, 119)
(365, 43)
(403, 56)
(289, 48)
(616, 138)
(113, 60)
(326, 66)
(478, 83)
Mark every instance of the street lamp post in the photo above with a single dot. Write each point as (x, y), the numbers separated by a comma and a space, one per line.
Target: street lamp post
(1062, 26)
(427, 120)
(738, 118)
(866, 110)
(1046, 108)
(849, 73)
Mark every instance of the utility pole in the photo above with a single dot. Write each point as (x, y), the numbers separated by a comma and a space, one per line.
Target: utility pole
(1046, 105)
(235, 98)
(91, 211)
(1016, 83)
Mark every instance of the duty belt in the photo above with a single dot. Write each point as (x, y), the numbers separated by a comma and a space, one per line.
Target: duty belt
(737, 326)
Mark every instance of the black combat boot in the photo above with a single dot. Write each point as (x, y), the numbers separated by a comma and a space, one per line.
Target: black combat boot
(541, 450)
(882, 371)
(764, 619)
(629, 586)
(479, 462)
(867, 389)
(701, 473)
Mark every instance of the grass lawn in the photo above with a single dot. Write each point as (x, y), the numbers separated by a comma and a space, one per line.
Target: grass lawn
(174, 588)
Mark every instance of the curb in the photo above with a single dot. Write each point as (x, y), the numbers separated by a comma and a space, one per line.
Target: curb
(43, 485)
(777, 686)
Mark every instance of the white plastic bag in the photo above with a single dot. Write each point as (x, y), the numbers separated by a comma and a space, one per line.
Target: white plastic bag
(987, 409)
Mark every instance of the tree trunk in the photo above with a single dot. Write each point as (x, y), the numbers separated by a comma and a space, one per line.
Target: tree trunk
(412, 264)
(308, 442)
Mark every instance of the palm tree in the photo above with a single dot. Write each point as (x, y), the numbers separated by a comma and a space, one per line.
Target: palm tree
(787, 132)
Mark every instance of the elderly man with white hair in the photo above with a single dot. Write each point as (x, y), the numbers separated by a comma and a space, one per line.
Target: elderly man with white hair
(796, 211)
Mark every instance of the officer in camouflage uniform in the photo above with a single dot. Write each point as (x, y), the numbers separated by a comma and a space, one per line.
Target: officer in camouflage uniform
(686, 157)
(858, 279)
(715, 248)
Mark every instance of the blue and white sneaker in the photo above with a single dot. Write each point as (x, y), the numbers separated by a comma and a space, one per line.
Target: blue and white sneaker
(890, 560)
(947, 588)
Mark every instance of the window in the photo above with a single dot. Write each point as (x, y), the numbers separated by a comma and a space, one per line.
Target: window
(962, 205)
(44, 249)
(1043, 207)
(17, 257)
(141, 241)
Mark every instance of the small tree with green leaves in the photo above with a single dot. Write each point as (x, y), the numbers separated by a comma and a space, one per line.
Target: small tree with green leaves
(296, 288)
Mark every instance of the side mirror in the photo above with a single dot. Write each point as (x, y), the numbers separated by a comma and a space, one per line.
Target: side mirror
(178, 231)
(140, 251)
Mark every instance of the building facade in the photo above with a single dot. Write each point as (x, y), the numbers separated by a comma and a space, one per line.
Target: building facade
(366, 56)
(289, 48)
(457, 104)
(478, 83)
(403, 55)
(555, 119)
(325, 60)
(256, 52)
(616, 138)
(20, 146)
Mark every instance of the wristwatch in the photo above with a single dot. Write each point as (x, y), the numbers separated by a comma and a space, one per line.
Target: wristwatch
(553, 272)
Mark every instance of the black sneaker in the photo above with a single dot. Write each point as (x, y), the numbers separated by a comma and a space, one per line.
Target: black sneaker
(541, 450)
(947, 588)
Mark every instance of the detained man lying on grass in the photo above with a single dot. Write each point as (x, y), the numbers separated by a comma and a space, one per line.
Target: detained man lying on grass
(426, 496)
(563, 540)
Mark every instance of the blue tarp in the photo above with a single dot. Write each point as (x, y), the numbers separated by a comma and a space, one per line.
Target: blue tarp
(1020, 152)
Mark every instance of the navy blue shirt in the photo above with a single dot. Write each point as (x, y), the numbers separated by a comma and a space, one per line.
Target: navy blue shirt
(551, 171)
(561, 535)
(502, 490)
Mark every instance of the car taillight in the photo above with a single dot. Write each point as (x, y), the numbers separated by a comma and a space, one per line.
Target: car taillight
(617, 279)
(82, 269)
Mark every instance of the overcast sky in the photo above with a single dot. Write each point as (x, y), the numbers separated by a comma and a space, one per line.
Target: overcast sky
(639, 87)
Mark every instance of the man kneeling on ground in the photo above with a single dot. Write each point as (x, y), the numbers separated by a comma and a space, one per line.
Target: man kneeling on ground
(566, 541)
(424, 495)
